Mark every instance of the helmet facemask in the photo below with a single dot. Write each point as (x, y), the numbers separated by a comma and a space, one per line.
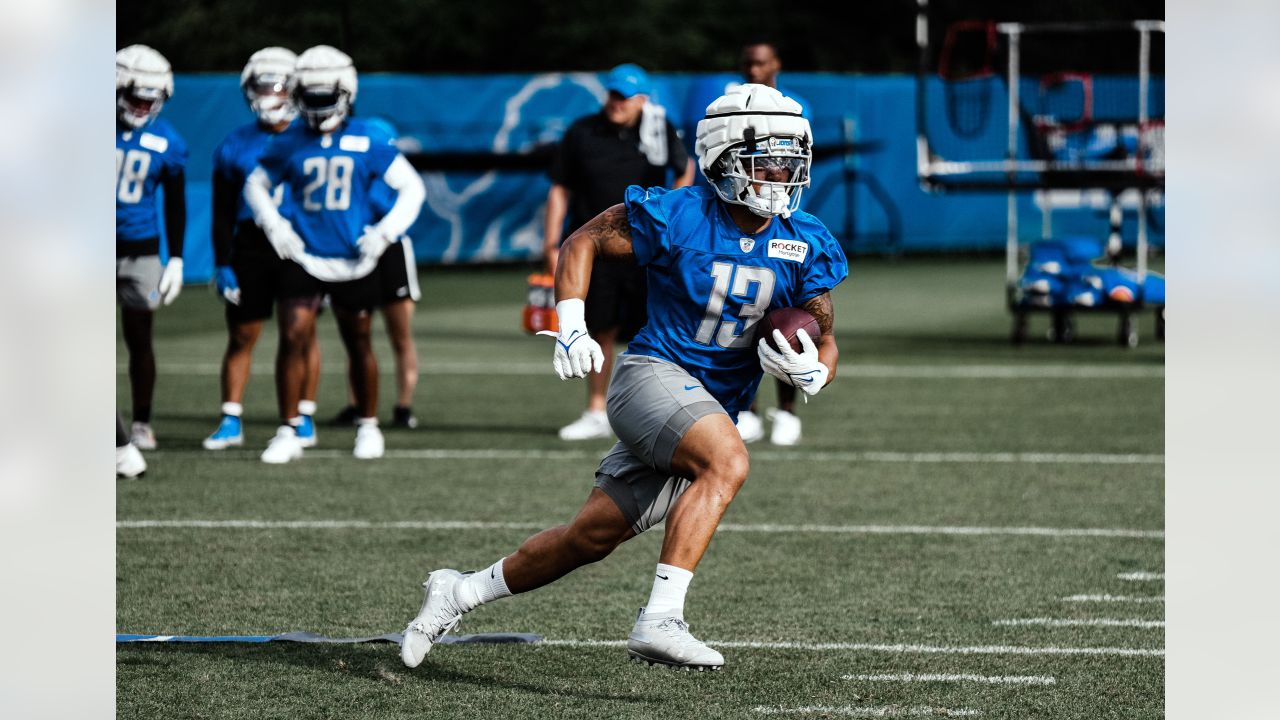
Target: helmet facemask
(136, 106)
(765, 175)
(269, 98)
(325, 108)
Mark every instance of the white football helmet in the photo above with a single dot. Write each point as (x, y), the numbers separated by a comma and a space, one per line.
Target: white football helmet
(144, 81)
(324, 87)
(755, 147)
(265, 84)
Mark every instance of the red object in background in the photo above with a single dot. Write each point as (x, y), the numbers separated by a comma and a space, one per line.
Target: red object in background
(540, 308)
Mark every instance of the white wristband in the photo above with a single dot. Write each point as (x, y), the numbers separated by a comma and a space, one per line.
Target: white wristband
(571, 313)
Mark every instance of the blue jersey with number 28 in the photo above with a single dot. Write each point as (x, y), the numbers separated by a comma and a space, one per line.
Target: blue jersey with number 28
(328, 179)
(143, 157)
(709, 283)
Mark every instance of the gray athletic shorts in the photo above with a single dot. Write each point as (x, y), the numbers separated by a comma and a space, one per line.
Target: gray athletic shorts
(652, 404)
(138, 281)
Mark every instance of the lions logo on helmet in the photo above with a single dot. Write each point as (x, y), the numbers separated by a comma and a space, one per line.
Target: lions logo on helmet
(755, 147)
(265, 83)
(324, 87)
(144, 81)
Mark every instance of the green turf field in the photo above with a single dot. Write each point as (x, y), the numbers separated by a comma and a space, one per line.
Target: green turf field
(923, 552)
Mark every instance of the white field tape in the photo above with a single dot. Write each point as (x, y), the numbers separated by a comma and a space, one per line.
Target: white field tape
(1115, 598)
(915, 372)
(901, 649)
(141, 524)
(1141, 576)
(869, 711)
(1080, 622)
(766, 455)
(933, 677)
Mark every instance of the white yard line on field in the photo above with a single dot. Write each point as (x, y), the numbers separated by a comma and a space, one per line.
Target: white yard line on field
(922, 372)
(1086, 622)
(933, 678)
(1031, 458)
(1115, 598)
(900, 649)
(869, 711)
(1141, 576)
(142, 524)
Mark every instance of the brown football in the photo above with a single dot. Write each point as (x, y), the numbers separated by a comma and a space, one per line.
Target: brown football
(788, 320)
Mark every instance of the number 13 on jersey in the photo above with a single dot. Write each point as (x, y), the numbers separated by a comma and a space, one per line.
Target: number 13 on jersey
(735, 280)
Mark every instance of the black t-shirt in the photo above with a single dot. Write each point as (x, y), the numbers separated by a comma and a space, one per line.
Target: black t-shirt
(596, 160)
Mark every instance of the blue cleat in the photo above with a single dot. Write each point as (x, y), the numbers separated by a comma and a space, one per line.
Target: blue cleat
(228, 434)
(307, 431)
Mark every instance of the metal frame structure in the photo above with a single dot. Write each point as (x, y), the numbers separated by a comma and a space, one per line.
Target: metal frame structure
(1012, 173)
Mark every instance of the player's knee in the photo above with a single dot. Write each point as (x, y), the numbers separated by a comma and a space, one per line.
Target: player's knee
(731, 469)
(297, 338)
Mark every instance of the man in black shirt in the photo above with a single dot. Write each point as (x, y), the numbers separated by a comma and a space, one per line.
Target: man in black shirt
(628, 142)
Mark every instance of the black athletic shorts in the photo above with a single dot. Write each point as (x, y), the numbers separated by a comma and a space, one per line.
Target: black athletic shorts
(616, 298)
(258, 270)
(398, 273)
(353, 295)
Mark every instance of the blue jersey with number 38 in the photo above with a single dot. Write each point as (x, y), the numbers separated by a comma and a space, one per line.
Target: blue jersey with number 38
(328, 180)
(144, 157)
(709, 283)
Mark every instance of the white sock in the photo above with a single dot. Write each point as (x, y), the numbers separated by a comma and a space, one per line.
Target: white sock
(367, 421)
(670, 583)
(481, 587)
(232, 409)
(295, 422)
(306, 407)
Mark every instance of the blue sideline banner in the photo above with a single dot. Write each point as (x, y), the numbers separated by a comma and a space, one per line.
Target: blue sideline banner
(481, 144)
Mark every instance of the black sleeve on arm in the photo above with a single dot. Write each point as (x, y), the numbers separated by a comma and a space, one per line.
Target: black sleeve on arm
(225, 198)
(175, 211)
(677, 156)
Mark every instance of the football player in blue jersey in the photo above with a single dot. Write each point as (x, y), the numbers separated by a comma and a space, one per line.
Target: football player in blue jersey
(328, 234)
(398, 277)
(717, 258)
(247, 269)
(760, 64)
(149, 155)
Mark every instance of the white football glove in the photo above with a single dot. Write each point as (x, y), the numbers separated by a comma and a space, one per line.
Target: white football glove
(284, 240)
(576, 353)
(372, 243)
(798, 369)
(171, 281)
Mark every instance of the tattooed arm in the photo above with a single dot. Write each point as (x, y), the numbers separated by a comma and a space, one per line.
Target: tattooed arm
(607, 235)
(828, 354)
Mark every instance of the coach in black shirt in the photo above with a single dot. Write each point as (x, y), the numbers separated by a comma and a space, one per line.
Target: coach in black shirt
(629, 142)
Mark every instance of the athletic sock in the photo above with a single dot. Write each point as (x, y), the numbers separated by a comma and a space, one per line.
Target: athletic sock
(142, 415)
(307, 407)
(481, 587)
(367, 421)
(233, 409)
(295, 421)
(670, 584)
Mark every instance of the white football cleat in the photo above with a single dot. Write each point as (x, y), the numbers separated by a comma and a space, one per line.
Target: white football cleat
(369, 443)
(750, 427)
(593, 425)
(439, 614)
(786, 427)
(142, 436)
(284, 447)
(129, 462)
(666, 640)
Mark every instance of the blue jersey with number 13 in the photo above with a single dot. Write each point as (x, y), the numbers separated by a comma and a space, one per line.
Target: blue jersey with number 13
(709, 283)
